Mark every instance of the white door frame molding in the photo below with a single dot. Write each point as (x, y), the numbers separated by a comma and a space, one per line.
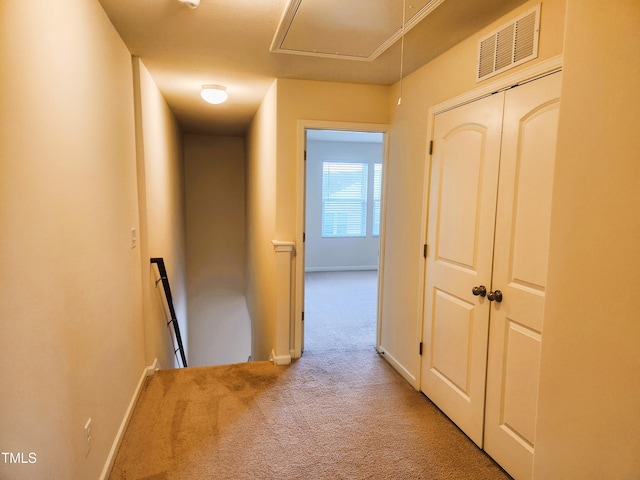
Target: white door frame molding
(303, 125)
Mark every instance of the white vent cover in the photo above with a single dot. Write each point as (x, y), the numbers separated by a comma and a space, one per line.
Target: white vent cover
(510, 45)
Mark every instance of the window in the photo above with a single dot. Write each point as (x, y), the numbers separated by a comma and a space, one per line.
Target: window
(377, 195)
(344, 199)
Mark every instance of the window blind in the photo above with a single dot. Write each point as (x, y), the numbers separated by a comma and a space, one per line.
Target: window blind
(344, 199)
(377, 195)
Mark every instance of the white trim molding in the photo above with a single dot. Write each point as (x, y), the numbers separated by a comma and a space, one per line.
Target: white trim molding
(279, 359)
(399, 367)
(282, 246)
(285, 252)
(546, 67)
(345, 268)
(298, 304)
(111, 458)
(153, 368)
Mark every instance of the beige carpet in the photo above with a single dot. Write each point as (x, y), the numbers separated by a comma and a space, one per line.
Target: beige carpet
(339, 412)
(326, 416)
(340, 311)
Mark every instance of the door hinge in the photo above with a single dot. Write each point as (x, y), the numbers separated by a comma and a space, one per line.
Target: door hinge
(303, 316)
(431, 147)
(420, 349)
(305, 155)
(304, 237)
(425, 250)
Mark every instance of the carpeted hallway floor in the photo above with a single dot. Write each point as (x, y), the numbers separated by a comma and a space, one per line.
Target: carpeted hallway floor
(339, 412)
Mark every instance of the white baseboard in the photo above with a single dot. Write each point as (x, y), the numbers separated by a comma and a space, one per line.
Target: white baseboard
(155, 366)
(279, 359)
(340, 269)
(148, 371)
(408, 376)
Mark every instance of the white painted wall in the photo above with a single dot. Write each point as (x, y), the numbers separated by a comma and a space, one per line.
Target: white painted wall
(72, 341)
(260, 184)
(321, 254)
(161, 203)
(589, 408)
(219, 323)
(77, 332)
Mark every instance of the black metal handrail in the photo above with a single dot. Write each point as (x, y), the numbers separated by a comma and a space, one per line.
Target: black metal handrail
(159, 261)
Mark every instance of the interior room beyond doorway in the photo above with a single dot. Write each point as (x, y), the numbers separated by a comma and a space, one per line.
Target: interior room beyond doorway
(343, 197)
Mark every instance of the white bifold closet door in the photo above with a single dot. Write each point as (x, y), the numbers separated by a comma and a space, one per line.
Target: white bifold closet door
(488, 231)
(462, 209)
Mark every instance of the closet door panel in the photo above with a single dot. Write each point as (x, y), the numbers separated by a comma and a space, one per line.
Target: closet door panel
(464, 175)
(520, 272)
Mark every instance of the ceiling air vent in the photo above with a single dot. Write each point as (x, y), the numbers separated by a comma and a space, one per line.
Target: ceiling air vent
(510, 45)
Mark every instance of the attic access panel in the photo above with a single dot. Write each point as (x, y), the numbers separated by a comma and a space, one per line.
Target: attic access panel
(352, 30)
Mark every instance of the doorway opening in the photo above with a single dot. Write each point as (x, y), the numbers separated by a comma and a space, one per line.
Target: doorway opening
(342, 238)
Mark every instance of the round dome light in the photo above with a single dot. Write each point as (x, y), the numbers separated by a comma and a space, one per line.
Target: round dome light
(214, 94)
(190, 3)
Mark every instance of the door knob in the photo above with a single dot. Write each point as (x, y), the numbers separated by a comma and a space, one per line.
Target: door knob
(497, 296)
(481, 291)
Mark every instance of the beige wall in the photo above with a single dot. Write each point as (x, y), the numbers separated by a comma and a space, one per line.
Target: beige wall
(80, 318)
(219, 324)
(70, 304)
(589, 409)
(260, 229)
(314, 102)
(449, 75)
(320, 101)
(272, 181)
(162, 216)
(73, 290)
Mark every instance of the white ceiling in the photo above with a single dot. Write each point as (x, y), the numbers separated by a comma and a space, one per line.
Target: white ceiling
(227, 42)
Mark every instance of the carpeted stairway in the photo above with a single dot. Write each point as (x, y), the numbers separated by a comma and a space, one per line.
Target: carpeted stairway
(336, 413)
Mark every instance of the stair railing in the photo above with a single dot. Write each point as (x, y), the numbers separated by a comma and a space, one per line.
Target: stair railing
(159, 261)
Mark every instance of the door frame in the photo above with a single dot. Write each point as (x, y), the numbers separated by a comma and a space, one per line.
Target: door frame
(543, 68)
(297, 339)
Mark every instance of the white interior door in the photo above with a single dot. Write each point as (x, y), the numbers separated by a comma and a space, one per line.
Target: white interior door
(462, 207)
(520, 272)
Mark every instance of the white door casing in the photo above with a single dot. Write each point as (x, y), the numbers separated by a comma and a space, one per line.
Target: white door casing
(299, 288)
(462, 206)
(520, 272)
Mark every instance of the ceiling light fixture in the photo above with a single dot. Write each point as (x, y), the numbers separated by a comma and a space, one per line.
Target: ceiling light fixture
(214, 94)
(190, 3)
